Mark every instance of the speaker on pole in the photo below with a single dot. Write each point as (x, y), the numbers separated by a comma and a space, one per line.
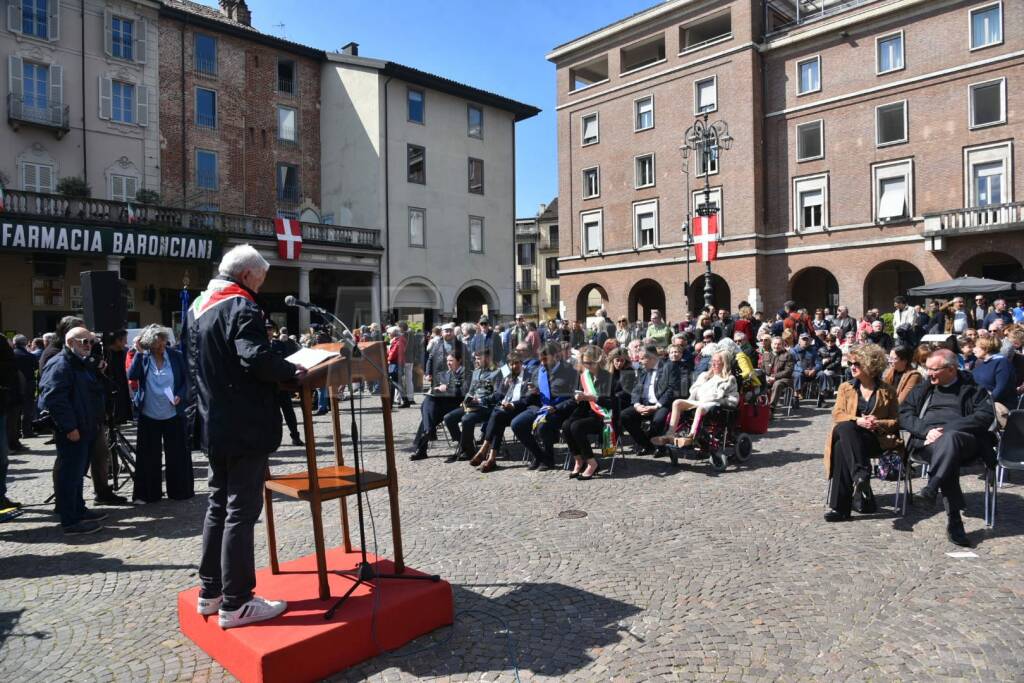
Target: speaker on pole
(104, 300)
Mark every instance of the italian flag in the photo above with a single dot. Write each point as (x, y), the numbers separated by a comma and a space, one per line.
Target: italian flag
(608, 438)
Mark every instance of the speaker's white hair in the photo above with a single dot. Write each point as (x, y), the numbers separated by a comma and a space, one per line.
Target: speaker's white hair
(240, 259)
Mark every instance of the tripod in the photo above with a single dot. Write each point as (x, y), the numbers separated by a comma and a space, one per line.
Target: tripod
(364, 573)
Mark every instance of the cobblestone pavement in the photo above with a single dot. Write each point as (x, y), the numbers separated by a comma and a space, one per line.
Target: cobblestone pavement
(672, 574)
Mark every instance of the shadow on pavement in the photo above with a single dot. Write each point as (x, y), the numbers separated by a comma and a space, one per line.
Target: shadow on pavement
(71, 563)
(543, 628)
(8, 620)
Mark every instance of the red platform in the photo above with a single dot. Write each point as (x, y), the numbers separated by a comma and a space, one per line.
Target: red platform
(300, 645)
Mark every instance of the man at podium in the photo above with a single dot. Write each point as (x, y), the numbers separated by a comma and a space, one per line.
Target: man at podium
(236, 375)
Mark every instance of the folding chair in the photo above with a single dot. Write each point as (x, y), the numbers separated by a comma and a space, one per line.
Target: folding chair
(899, 504)
(1010, 456)
(787, 400)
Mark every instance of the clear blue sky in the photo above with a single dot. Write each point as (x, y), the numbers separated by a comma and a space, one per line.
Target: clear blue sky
(496, 46)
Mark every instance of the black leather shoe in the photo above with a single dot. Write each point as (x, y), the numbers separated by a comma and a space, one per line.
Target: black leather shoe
(418, 455)
(544, 467)
(454, 457)
(645, 450)
(296, 441)
(956, 534)
(833, 516)
(112, 499)
(926, 497)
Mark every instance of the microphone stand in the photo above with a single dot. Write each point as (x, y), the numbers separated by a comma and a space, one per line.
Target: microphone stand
(365, 573)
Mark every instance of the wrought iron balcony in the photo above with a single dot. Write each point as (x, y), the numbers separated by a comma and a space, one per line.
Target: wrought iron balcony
(526, 286)
(977, 219)
(106, 212)
(52, 116)
(527, 232)
(528, 309)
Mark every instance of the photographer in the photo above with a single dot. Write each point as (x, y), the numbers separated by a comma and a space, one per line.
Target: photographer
(161, 400)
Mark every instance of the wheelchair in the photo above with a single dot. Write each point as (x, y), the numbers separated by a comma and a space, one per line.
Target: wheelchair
(719, 439)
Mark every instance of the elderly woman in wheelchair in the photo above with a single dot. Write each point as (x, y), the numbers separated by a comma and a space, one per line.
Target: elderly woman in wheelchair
(712, 389)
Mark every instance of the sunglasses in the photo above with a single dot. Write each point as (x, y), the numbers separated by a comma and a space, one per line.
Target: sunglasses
(855, 364)
(84, 342)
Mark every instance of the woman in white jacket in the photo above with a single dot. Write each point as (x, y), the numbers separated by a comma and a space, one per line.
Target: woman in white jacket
(716, 387)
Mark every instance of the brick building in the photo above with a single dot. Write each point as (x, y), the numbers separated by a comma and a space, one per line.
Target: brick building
(537, 289)
(872, 150)
(240, 135)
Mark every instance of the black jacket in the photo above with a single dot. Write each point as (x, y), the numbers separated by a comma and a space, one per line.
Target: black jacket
(454, 383)
(437, 360)
(666, 385)
(235, 374)
(27, 366)
(976, 410)
(70, 390)
(9, 384)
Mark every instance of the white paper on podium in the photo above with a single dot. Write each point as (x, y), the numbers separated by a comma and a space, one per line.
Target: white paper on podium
(309, 358)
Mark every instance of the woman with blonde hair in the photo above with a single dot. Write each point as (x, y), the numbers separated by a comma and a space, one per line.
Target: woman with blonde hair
(716, 387)
(864, 424)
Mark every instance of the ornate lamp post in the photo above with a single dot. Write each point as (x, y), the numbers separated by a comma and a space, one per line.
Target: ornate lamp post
(706, 140)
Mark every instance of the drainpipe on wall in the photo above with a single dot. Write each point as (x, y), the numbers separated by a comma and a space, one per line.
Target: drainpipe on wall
(85, 137)
(184, 123)
(383, 283)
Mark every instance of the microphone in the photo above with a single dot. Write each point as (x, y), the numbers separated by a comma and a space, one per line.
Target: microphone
(292, 301)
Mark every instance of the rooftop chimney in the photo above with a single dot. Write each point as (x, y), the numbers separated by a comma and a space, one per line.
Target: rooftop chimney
(236, 10)
(350, 49)
(543, 207)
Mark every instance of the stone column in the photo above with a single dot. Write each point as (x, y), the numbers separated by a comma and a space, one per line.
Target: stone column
(303, 296)
(375, 297)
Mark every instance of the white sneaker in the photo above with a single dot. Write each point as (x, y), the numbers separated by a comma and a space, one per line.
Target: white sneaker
(209, 606)
(255, 610)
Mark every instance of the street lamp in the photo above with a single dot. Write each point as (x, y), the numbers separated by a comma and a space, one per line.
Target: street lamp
(707, 140)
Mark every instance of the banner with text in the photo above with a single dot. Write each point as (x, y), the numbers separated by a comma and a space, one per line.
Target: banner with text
(128, 241)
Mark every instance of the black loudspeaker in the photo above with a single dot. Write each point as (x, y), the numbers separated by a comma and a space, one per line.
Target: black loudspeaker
(104, 300)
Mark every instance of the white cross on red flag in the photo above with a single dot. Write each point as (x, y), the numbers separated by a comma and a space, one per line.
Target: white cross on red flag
(705, 237)
(289, 238)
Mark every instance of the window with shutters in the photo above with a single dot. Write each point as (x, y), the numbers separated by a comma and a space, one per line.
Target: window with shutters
(206, 169)
(476, 176)
(645, 224)
(526, 253)
(37, 177)
(286, 124)
(591, 183)
(810, 199)
(643, 113)
(123, 188)
(206, 108)
(476, 234)
(122, 102)
(892, 190)
(705, 95)
(643, 171)
(589, 129)
(35, 17)
(551, 267)
(122, 37)
(592, 237)
(35, 90)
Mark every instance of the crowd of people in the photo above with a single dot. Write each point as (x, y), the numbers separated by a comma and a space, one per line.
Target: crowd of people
(934, 380)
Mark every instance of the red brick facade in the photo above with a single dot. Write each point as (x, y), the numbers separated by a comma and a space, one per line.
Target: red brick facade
(766, 256)
(245, 137)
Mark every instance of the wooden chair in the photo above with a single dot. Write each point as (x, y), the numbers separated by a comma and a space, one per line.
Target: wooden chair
(317, 485)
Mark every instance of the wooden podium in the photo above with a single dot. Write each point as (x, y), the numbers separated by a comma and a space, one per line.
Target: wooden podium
(319, 484)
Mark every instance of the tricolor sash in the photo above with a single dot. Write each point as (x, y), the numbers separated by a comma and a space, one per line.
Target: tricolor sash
(217, 292)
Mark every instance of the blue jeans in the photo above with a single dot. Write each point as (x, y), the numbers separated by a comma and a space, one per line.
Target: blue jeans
(322, 399)
(5, 459)
(522, 427)
(72, 462)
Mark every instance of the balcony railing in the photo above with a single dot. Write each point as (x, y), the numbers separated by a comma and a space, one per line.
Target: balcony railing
(528, 309)
(782, 15)
(54, 116)
(103, 211)
(288, 194)
(206, 66)
(988, 219)
(526, 286)
(527, 231)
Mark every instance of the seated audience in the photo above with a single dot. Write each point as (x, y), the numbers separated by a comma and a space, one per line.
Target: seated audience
(864, 424)
(655, 389)
(444, 396)
(831, 365)
(807, 363)
(476, 406)
(509, 400)
(550, 402)
(948, 418)
(711, 389)
(777, 366)
(901, 374)
(594, 403)
(993, 372)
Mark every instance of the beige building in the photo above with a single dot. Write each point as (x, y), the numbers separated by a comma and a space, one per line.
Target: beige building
(431, 163)
(537, 292)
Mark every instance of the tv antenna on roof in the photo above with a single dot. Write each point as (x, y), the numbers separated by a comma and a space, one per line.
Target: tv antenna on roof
(280, 25)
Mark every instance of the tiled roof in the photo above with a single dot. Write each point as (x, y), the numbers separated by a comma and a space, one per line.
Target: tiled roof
(551, 212)
(213, 14)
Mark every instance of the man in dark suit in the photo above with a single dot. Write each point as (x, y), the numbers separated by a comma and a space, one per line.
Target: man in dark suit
(444, 397)
(488, 340)
(510, 400)
(948, 418)
(657, 385)
(550, 402)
